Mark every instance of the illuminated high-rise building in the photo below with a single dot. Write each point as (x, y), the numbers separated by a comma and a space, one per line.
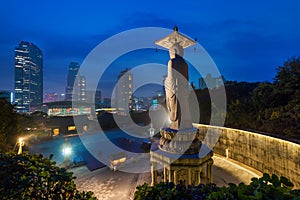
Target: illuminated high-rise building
(98, 96)
(211, 82)
(79, 91)
(28, 77)
(73, 72)
(76, 84)
(124, 90)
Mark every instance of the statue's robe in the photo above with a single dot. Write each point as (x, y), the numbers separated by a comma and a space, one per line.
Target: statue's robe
(177, 93)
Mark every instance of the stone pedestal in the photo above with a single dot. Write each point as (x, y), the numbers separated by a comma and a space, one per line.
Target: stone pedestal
(179, 152)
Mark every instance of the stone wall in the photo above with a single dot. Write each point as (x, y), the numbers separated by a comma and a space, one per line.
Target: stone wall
(264, 153)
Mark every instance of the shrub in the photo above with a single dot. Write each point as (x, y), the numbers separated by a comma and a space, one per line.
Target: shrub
(35, 177)
(267, 187)
(174, 192)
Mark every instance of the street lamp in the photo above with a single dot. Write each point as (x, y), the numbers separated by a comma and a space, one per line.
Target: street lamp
(21, 144)
(66, 150)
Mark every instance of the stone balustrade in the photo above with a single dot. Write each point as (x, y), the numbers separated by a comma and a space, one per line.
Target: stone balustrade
(264, 153)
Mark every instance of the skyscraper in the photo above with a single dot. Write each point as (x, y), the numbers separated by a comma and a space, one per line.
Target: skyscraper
(211, 82)
(76, 84)
(80, 89)
(73, 72)
(98, 96)
(28, 77)
(124, 91)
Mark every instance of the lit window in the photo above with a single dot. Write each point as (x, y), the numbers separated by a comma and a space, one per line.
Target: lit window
(55, 131)
(71, 128)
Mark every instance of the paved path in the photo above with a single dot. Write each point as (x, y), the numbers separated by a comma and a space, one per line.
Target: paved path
(110, 185)
(229, 171)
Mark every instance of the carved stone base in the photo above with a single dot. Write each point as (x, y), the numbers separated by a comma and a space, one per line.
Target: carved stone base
(180, 135)
(180, 142)
(180, 147)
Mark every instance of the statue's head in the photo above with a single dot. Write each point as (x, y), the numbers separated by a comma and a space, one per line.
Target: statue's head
(176, 49)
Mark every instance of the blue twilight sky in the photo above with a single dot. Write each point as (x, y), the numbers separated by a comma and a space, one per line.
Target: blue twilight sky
(246, 39)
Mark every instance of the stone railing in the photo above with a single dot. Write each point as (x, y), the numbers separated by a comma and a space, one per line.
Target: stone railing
(264, 153)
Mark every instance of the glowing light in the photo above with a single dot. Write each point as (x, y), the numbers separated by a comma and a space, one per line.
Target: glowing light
(67, 151)
(55, 131)
(71, 128)
(21, 144)
(118, 161)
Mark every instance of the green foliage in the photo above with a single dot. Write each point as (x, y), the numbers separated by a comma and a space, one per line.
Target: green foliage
(9, 126)
(278, 104)
(267, 187)
(35, 177)
(169, 191)
(13, 125)
(264, 188)
(268, 107)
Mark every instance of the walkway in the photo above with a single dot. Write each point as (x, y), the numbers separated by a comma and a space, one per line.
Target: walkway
(109, 185)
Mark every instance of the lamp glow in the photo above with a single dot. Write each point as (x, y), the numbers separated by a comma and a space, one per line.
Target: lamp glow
(67, 151)
(21, 143)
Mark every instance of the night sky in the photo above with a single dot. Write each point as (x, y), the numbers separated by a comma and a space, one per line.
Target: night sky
(246, 39)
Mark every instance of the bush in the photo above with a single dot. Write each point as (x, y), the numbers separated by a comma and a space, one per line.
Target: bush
(35, 177)
(174, 192)
(267, 187)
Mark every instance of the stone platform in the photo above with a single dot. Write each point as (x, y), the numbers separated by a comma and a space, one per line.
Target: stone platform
(181, 156)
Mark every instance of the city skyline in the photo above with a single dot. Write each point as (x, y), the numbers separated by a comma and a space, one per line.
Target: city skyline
(246, 42)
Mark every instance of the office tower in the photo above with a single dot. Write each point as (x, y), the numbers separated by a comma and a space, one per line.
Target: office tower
(62, 97)
(124, 91)
(28, 77)
(202, 84)
(76, 84)
(79, 90)
(211, 82)
(72, 74)
(98, 96)
(93, 96)
(220, 81)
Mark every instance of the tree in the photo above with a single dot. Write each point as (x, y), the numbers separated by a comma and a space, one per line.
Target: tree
(278, 104)
(241, 111)
(13, 125)
(268, 107)
(9, 126)
(287, 80)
